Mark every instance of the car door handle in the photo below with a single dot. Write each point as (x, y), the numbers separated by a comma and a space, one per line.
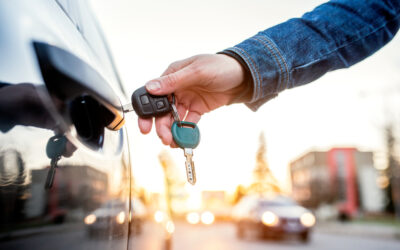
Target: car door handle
(69, 77)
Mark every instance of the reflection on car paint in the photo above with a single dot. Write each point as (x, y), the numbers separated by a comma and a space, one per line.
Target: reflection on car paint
(32, 217)
(82, 182)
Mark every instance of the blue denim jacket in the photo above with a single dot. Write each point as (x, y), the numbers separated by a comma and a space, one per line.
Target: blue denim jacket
(334, 35)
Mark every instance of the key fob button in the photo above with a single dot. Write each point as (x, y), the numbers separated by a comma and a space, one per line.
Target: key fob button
(144, 99)
(160, 104)
(147, 105)
(147, 110)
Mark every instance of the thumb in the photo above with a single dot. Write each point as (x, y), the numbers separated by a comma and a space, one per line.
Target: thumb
(170, 83)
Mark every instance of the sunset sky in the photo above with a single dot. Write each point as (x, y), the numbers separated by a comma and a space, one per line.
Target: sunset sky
(344, 108)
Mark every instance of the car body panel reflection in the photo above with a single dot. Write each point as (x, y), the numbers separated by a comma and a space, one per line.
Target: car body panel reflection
(82, 183)
(32, 217)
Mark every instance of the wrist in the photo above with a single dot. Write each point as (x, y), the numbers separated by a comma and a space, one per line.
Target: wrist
(243, 92)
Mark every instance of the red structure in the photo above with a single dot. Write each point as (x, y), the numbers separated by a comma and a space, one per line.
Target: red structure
(343, 175)
(344, 178)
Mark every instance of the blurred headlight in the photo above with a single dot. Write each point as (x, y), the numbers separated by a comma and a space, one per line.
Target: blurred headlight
(158, 216)
(207, 218)
(307, 219)
(170, 227)
(90, 219)
(193, 218)
(120, 218)
(269, 219)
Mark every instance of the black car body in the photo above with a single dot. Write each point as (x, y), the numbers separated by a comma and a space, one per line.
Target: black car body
(60, 98)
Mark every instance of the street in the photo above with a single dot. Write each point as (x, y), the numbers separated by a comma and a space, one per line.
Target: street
(219, 236)
(222, 237)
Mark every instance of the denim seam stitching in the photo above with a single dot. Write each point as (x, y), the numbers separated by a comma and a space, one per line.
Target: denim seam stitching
(271, 51)
(253, 67)
(344, 45)
(259, 84)
(286, 75)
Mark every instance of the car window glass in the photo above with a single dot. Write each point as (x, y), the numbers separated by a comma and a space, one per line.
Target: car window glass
(94, 38)
(79, 13)
(68, 10)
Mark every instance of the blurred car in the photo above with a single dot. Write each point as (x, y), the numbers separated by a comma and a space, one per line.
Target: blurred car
(272, 217)
(64, 154)
(138, 217)
(205, 217)
(110, 215)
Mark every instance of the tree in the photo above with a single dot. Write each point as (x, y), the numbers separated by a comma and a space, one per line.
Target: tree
(392, 172)
(264, 180)
(239, 193)
(173, 182)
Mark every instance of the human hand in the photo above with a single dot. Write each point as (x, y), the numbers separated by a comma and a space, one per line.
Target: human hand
(200, 83)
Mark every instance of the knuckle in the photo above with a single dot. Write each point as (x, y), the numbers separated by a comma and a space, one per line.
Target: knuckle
(200, 71)
(171, 81)
(197, 69)
(174, 66)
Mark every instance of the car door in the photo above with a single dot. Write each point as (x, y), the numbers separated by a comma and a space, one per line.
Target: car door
(59, 90)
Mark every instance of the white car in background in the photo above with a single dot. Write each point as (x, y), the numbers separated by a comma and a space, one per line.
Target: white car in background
(276, 216)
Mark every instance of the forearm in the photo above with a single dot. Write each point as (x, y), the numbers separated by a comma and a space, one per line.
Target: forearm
(335, 35)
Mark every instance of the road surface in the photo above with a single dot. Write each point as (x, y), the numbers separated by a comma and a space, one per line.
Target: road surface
(222, 237)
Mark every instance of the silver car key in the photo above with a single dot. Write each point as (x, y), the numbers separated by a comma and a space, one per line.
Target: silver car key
(187, 136)
(190, 171)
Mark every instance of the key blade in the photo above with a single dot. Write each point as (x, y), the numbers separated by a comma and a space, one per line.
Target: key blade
(50, 178)
(52, 172)
(190, 172)
(127, 108)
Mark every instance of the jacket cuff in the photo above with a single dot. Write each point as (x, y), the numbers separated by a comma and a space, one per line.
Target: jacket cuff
(267, 66)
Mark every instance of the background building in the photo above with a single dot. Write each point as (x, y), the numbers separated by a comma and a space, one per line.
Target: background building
(79, 188)
(342, 177)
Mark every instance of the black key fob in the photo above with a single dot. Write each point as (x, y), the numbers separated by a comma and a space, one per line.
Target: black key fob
(147, 105)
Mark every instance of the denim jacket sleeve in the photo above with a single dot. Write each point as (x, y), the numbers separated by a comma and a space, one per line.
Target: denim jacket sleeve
(334, 35)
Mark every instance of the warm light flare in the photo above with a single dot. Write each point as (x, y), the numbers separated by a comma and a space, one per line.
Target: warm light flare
(90, 219)
(269, 219)
(193, 218)
(170, 227)
(159, 216)
(382, 182)
(307, 219)
(120, 218)
(207, 218)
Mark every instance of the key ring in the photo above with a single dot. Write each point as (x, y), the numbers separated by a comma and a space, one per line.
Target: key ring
(175, 113)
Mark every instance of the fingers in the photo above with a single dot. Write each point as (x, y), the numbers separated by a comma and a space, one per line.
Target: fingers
(69, 149)
(145, 125)
(178, 76)
(168, 84)
(175, 66)
(163, 126)
(193, 116)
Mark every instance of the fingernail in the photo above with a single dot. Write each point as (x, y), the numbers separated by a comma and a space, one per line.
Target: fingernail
(153, 85)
